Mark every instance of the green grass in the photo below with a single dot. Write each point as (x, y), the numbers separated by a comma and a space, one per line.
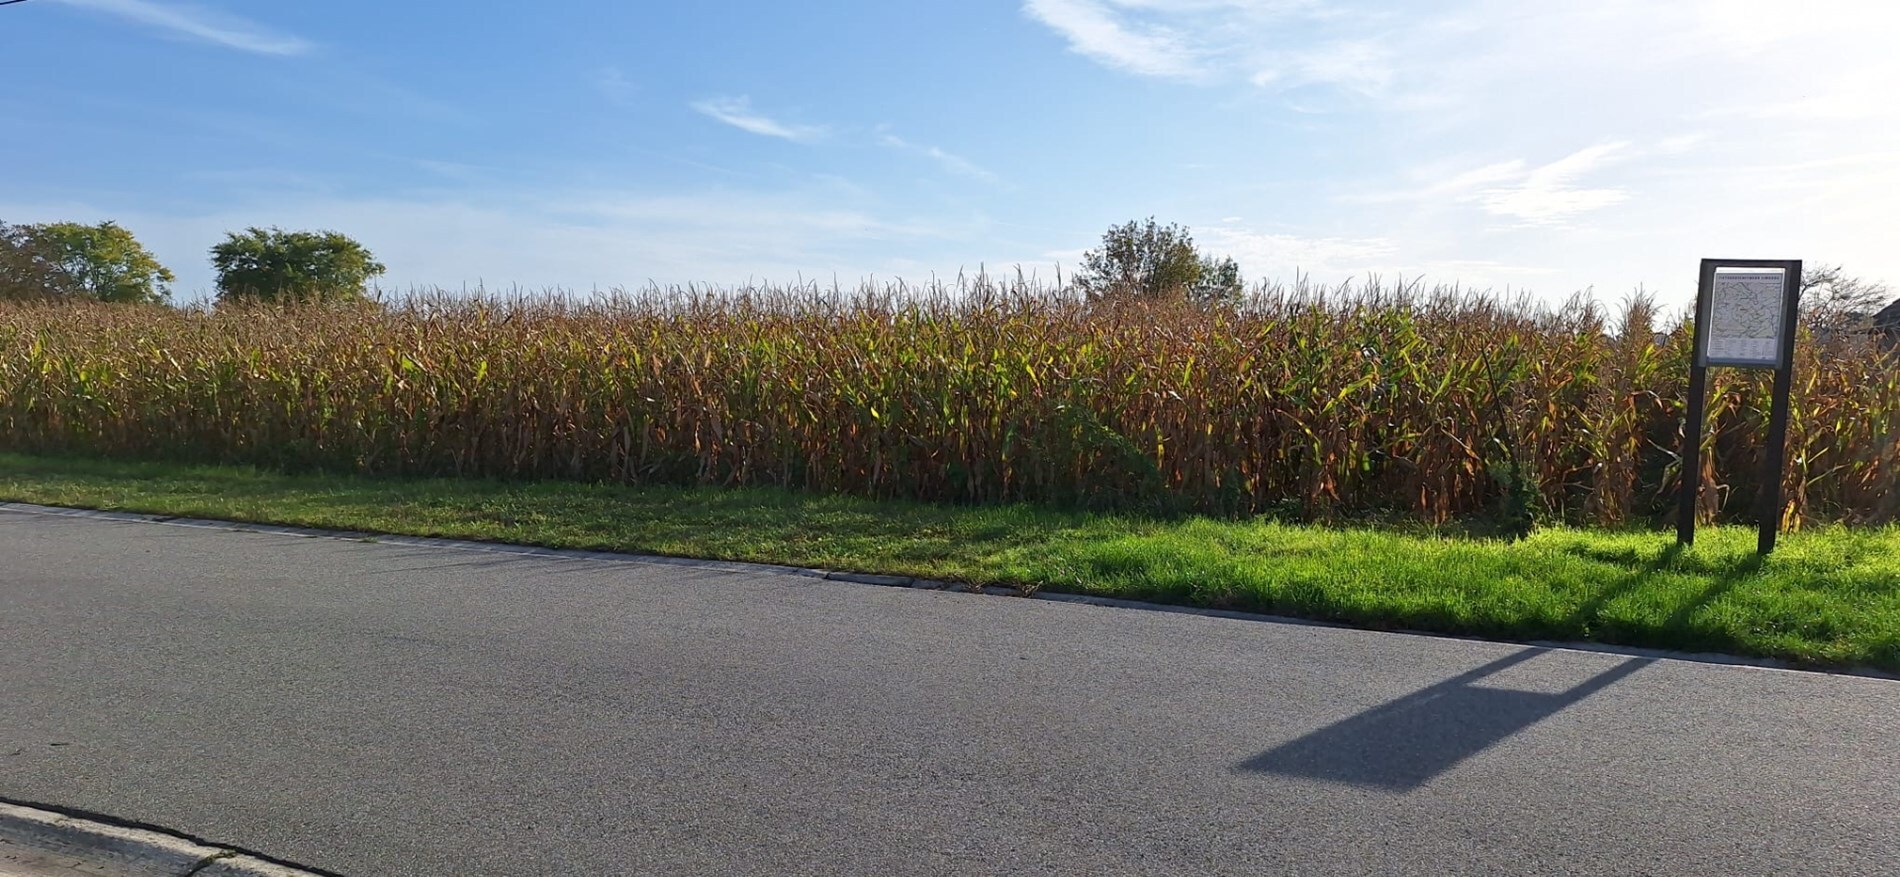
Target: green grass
(1828, 597)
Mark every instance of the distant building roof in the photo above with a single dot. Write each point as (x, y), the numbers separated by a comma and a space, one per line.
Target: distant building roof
(1888, 318)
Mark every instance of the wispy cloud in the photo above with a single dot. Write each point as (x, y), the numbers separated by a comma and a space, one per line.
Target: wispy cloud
(1268, 254)
(1359, 65)
(615, 86)
(1542, 195)
(1095, 30)
(198, 24)
(1281, 256)
(738, 112)
(1275, 44)
(949, 161)
(1679, 144)
(1548, 195)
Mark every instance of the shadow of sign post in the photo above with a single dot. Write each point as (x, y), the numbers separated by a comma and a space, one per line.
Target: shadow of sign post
(1403, 744)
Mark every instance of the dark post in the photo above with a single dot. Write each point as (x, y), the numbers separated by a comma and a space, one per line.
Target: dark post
(1768, 501)
(1691, 456)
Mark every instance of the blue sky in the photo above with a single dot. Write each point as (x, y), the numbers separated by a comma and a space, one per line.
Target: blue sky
(1549, 146)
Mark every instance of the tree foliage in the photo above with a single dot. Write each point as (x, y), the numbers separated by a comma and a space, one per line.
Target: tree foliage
(1220, 281)
(107, 262)
(74, 260)
(1145, 260)
(273, 265)
(28, 269)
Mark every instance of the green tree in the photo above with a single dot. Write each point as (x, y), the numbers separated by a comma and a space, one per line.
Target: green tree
(273, 265)
(105, 262)
(1145, 260)
(1220, 281)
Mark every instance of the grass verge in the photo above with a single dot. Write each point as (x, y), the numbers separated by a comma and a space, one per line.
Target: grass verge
(1828, 597)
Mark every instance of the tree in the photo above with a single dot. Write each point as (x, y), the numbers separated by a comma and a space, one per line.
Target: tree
(273, 265)
(29, 268)
(1145, 260)
(1219, 281)
(106, 262)
(71, 260)
(1831, 301)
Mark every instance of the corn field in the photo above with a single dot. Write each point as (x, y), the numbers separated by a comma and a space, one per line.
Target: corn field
(1357, 401)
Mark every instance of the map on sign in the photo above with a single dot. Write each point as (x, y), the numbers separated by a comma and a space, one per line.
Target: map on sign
(1745, 318)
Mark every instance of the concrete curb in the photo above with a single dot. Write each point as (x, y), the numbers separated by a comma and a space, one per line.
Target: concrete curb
(891, 581)
(44, 843)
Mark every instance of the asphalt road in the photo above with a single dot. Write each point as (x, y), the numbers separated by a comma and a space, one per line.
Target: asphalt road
(387, 709)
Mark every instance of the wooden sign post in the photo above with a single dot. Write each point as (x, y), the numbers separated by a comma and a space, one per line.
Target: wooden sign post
(1744, 318)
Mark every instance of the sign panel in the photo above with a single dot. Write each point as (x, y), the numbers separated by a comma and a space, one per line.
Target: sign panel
(1745, 318)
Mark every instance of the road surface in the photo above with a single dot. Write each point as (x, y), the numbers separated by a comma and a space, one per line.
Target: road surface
(392, 709)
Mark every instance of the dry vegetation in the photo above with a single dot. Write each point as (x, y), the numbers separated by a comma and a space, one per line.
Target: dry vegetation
(1369, 401)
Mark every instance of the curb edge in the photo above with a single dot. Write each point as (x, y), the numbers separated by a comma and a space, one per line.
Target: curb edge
(59, 835)
(61, 841)
(907, 582)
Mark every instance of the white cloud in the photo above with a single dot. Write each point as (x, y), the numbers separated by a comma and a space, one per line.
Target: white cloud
(615, 86)
(1680, 143)
(949, 161)
(1363, 66)
(1476, 178)
(1543, 195)
(1266, 254)
(1283, 257)
(1094, 30)
(1276, 44)
(1718, 130)
(200, 24)
(738, 112)
(1548, 195)
(1478, 273)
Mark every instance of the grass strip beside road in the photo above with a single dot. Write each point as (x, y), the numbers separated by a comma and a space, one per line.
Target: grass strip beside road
(1827, 597)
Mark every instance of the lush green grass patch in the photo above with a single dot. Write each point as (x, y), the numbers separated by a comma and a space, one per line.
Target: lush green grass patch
(1829, 596)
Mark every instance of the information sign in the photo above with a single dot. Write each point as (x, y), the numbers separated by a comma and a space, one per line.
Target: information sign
(1744, 318)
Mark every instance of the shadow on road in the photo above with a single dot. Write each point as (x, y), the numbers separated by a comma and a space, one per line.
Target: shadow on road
(1403, 744)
